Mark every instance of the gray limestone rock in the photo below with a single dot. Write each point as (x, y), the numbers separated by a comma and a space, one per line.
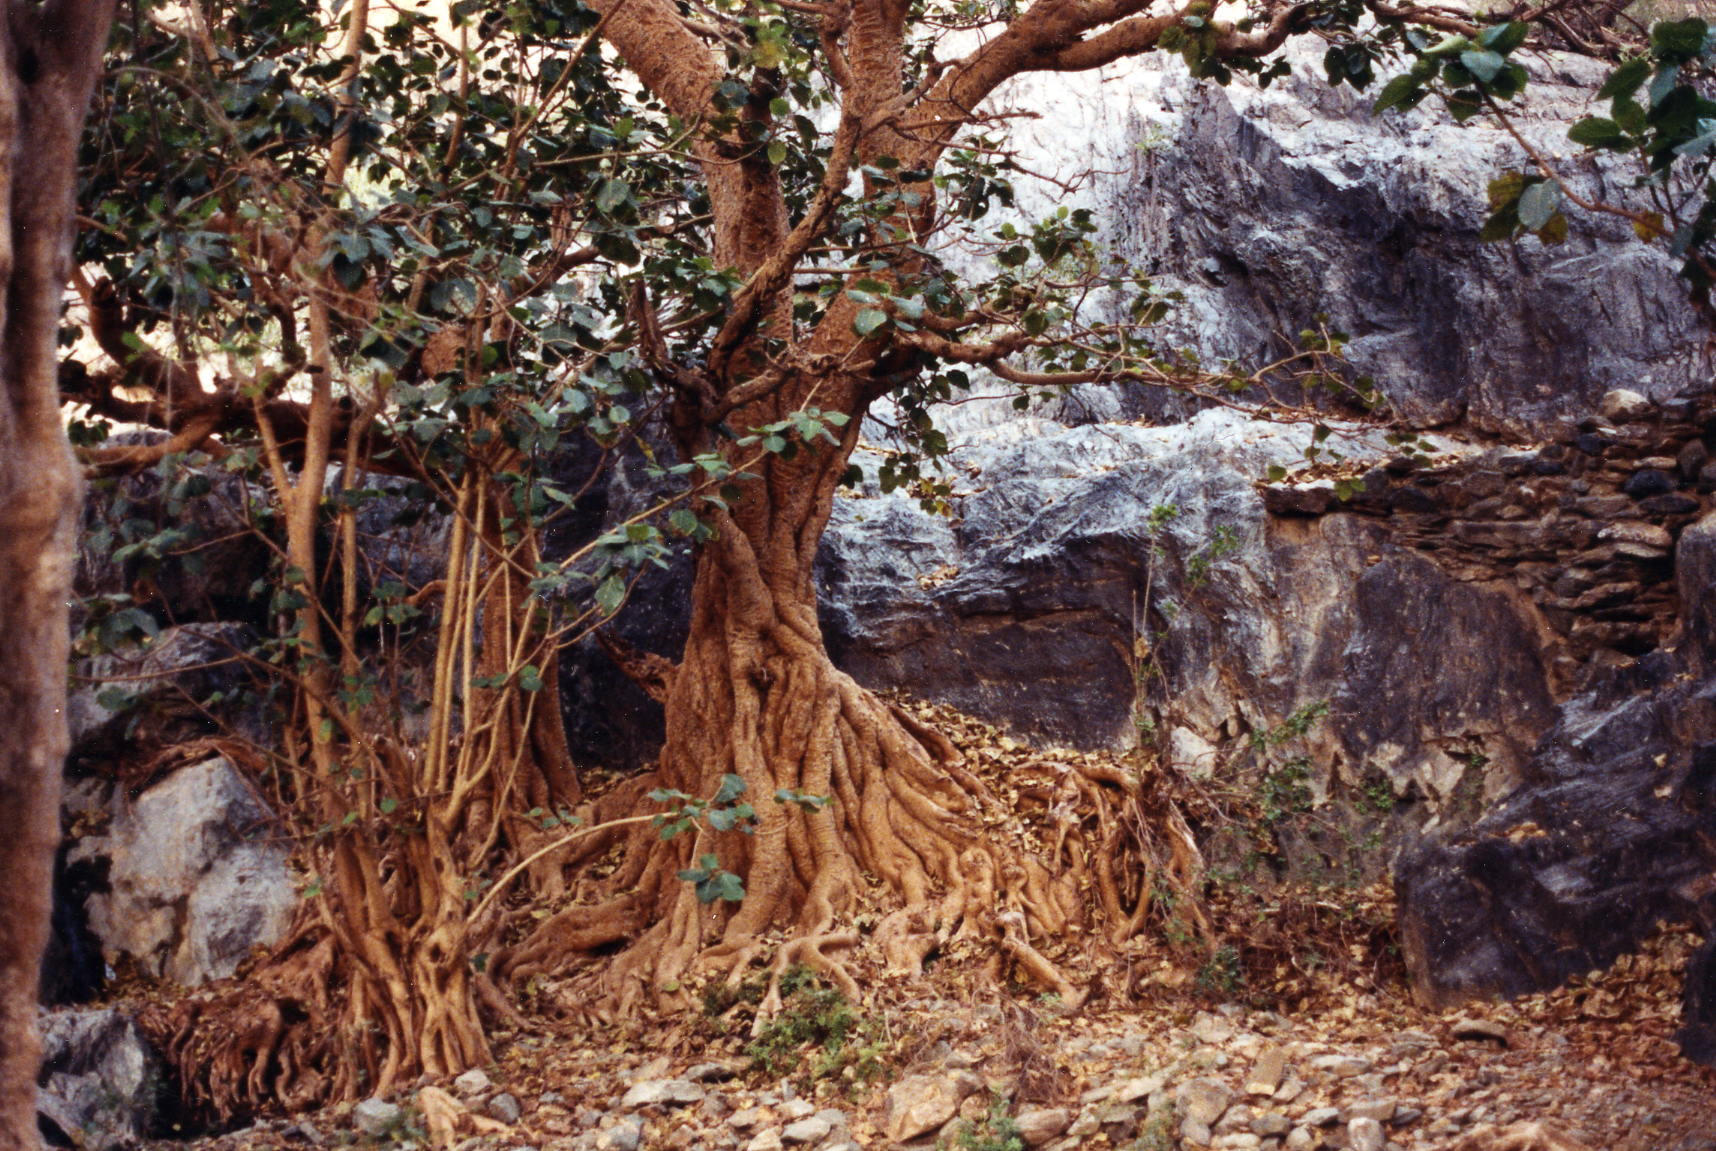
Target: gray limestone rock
(176, 687)
(919, 1104)
(101, 1082)
(671, 1092)
(377, 1117)
(196, 878)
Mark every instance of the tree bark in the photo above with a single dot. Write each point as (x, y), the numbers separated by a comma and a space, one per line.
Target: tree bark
(49, 56)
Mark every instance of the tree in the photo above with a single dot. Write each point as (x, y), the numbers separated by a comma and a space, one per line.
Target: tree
(839, 149)
(489, 244)
(49, 57)
(325, 250)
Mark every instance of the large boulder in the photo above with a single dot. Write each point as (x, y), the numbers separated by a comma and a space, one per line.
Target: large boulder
(1608, 838)
(184, 683)
(196, 876)
(101, 1083)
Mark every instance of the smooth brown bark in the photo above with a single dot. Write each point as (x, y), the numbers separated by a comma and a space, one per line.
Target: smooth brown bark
(49, 56)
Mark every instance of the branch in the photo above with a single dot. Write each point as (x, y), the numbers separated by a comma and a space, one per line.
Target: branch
(776, 272)
(666, 55)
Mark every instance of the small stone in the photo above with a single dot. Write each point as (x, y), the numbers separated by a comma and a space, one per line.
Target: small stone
(1691, 460)
(505, 1107)
(473, 1082)
(1266, 1073)
(1637, 532)
(551, 1099)
(1037, 1125)
(1135, 1089)
(1623, 405)
(1195, 1133)
(745, 1119)
(1300, 1139)
(1480, 1029)
(1382, 1110)
(1649, 482)
(1404, 1115)
(1341, 1066)
(769, 1140)
(303, 1131)
(1272, 1123)
(1307, 500)
(1204, 1101)
(1239, 1141)
(621, 1137)
(376, 1117)
(811, 1129)
(919, 1104)
(794, 1109)
(1321, 1117)
(670, 1092)
(1087, 1123)
(1672, 504)
(708, 1073)
(1365, 1135)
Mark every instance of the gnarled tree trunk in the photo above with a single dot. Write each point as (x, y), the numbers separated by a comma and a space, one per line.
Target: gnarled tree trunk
(49, 55)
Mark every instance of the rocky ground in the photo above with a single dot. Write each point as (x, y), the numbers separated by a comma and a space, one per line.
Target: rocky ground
(1364, 1071)
(1296, 1032)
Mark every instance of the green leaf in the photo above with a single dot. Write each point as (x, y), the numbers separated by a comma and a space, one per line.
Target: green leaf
(732, 787)
(777, 152)
(611, 594)
(1397, 91)
(1596, 132)
(388, 805)
(1451, 45)
(530, 678)
(1483, 65)
(1623, 81)
(1275, 473)
(1629, 114)
(1678, 40)
(869, 321)
(612, 193)
(1538, 203)
(1504, 38)
(1662, 84)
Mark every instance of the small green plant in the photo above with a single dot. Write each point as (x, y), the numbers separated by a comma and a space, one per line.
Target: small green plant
(1224, 541)
(1294, 726)
(843, 1042)
(1286, 790)
(1222, 974)
(1157, 1134)
(1379, 796)
(996, 1131)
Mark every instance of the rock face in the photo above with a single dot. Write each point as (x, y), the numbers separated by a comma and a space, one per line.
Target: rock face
(1136, 576)
(1270, 207)
(194, 880)
(101, 1082)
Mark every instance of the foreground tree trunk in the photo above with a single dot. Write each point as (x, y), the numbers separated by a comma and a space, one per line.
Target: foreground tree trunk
(906, 832)
(49, 56)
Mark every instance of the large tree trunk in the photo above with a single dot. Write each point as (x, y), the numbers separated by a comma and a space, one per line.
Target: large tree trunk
(48, 61)
(906, 832)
